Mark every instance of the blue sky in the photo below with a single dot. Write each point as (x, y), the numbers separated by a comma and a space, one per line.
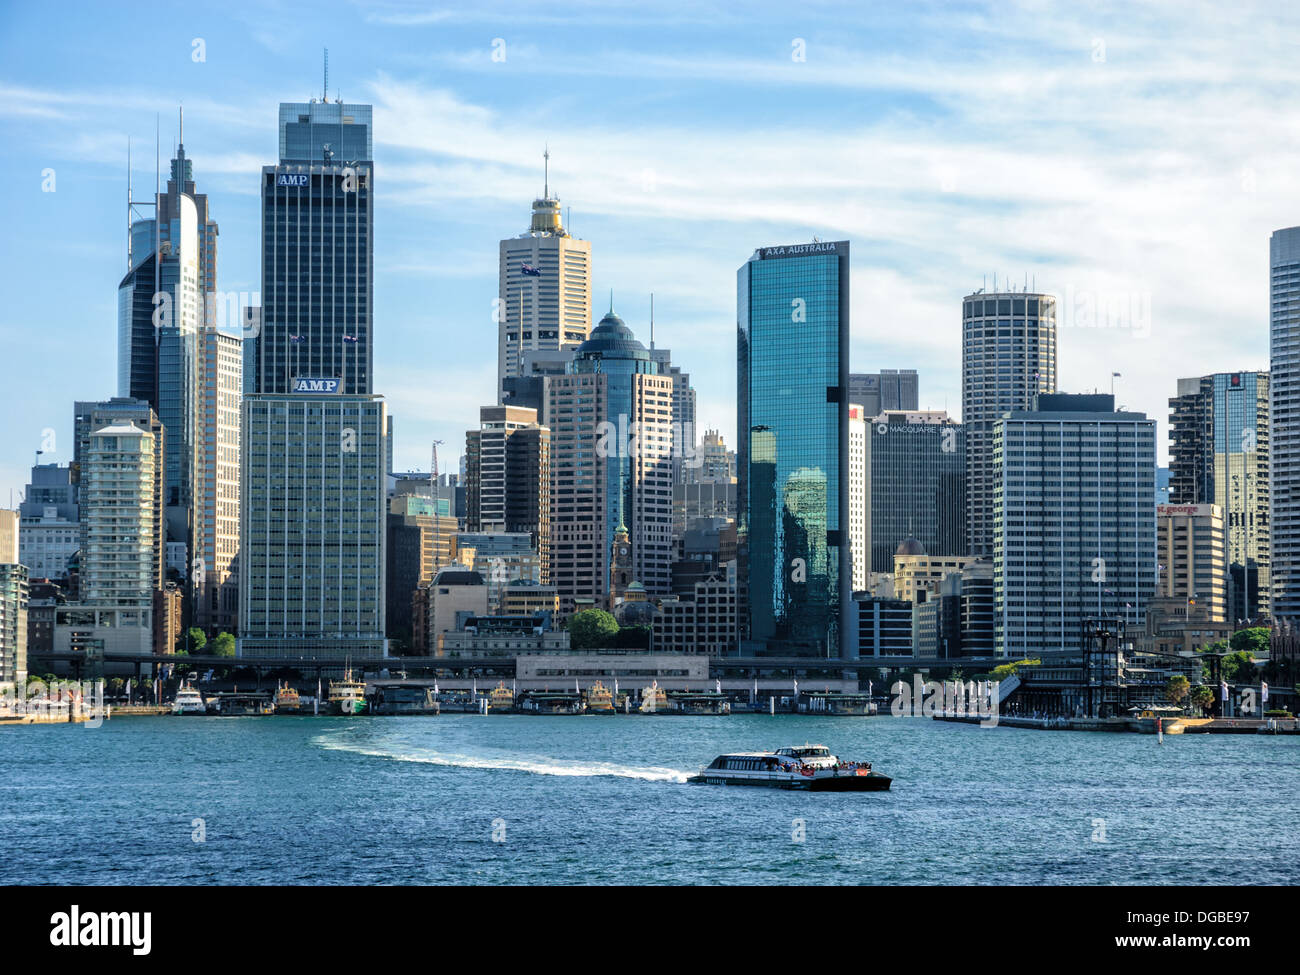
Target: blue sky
(1132, 158)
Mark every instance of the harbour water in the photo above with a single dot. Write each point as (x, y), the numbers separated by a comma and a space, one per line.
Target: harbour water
(543, 800)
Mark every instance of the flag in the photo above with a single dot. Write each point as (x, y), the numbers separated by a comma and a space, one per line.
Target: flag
(1263, 691)
(1223, 690)
(349, 338)
(530, 271)
(296, 338)
(718, 684)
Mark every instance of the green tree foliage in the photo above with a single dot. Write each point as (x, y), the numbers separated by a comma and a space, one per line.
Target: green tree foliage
(1202, 696)
(223, 645)
(592, 628)
(192, 640)
(1003, 671)
(1177, 688)
(1239, 668)
(1254, 641)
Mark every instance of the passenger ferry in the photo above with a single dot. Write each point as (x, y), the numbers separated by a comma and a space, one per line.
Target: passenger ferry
(347, 696)
(600, 700)
(189, 701)
(287, 699)
(808, 768)
(654, 699)
(501, 698)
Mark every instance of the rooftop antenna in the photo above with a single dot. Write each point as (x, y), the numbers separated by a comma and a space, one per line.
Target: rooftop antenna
(611, 301)
(652, 321)
(325, 86)
(546, 173)
(180, 132)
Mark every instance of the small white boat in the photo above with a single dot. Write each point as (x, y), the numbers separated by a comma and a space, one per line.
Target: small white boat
(189, 701)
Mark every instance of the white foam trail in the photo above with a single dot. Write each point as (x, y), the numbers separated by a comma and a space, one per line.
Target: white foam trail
(542, 766)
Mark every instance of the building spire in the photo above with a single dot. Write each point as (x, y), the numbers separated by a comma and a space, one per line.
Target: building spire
(546, 172)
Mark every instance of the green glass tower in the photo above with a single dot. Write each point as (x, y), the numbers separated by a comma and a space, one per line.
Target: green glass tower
(792, 454)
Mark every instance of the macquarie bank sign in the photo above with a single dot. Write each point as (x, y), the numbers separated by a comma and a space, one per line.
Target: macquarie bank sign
(312, 385)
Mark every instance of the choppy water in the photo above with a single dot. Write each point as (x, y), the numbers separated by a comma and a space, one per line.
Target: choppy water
(602, 800)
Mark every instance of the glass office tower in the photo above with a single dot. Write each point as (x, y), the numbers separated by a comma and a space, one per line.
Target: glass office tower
(792, 308)
(316, 441)
(317, 273)
(1284, 420)
(1219, 455)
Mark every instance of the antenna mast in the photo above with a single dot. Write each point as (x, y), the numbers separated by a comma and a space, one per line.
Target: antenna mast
(546, 173)
(325, 83)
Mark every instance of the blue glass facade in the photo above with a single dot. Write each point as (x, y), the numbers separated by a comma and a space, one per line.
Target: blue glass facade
(792, 452)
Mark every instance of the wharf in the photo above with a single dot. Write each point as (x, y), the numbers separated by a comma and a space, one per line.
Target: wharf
(1172, 726)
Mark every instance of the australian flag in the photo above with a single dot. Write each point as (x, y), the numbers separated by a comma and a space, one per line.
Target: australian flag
(530, 271)
(295, 339)
(349, 338)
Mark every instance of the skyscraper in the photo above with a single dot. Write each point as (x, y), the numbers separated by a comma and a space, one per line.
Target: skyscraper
(1192, 564)
(214, 576)
(1075, 532)
(1284, 420)
(317, 251)
(793, 446)
(857, 488)
(611, 472)
(315, 455)
(89, 417)
(1008, 357)
(889, 389)
(544, 291)
(120, 528)
(50, 522)
(915, 477)
(162, 307)
(507, 473)
(1219, 455)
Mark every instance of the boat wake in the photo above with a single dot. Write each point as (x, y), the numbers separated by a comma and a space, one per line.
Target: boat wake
(534, 766)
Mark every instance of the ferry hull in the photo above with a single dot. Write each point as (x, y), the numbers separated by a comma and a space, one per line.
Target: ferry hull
(874, 782)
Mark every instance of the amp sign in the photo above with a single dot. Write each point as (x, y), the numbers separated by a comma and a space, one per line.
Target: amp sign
(292, 179)
(315, 385)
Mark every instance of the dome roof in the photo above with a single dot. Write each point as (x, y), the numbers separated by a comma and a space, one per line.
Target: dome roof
(910, 546)
(612, 339)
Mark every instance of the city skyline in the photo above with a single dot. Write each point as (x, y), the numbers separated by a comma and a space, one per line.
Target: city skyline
(662, 197)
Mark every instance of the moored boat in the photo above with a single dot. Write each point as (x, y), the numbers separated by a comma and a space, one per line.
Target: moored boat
(501, 698)
(189, 701)
(600, 700)
(347, 696)
(287, 699)
(807, 768)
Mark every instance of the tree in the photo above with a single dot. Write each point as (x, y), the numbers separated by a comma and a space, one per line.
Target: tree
(192, 640)
(592, 628)
(223, 645)
(1202, 696)
(1177, 688)
(1254, 641)
(1238, 667)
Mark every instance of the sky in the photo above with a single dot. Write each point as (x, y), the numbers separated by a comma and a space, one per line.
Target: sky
(1131, 159)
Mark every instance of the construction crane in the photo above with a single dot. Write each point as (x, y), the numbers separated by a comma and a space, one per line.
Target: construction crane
(433, 472)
